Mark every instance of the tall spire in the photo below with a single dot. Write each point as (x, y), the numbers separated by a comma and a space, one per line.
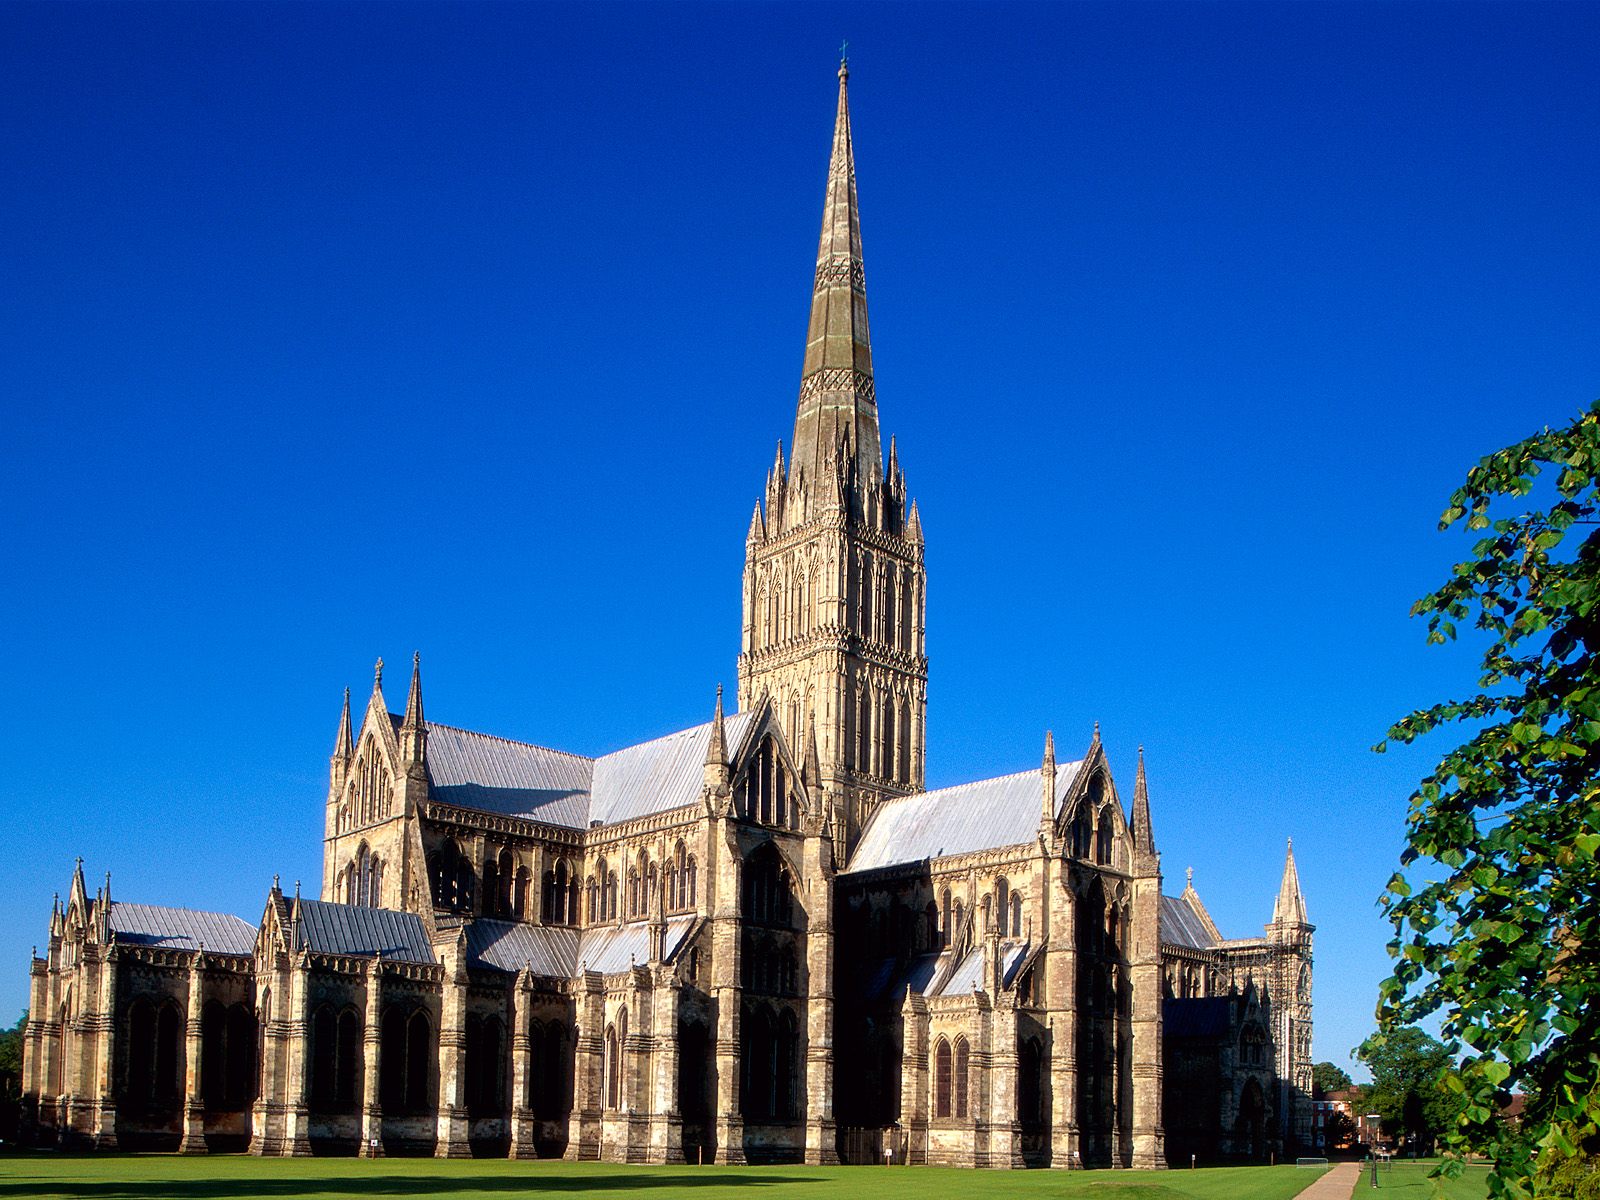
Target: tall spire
(1290, 908)
(837, 400)
(1144, 837)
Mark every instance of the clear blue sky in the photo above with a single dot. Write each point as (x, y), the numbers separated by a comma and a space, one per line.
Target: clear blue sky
(338, 331)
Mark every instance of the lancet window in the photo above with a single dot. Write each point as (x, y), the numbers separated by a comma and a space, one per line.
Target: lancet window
(560, 895)
(763, 793)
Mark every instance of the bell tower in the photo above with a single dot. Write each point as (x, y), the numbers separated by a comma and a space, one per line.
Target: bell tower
(834, 582)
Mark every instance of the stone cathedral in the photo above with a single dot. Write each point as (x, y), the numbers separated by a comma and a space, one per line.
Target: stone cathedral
(757, 940)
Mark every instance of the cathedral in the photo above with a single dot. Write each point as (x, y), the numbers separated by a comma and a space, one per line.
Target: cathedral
(757, 940)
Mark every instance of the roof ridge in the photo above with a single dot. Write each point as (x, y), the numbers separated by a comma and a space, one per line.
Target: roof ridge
(495, 737)
(731, 717)
(210, 912)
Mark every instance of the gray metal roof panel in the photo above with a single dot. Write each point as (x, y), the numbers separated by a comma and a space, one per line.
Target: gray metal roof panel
(654, 776)
(981, 815)
(612, 948)
(1181, 927)
(493, 774)
(181, 928)
(967, 976)
(365, 932)
(549, 950)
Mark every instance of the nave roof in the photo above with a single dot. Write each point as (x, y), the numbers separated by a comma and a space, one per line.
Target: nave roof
(181, 928)
(560, 952)
(518, 779)
(982, 815)
(329, 928)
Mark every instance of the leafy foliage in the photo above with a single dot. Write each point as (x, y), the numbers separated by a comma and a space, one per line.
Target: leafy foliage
(1328, 1077)
(11, 1077)
(1497, 921)
(1407, 1067)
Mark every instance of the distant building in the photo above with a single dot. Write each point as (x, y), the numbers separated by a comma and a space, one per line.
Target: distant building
(757, 939)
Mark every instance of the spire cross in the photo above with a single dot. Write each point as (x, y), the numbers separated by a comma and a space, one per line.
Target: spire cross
(377, 673)
(844, 53)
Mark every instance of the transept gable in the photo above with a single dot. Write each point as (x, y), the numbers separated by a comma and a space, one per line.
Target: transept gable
(768, 783)
(1090, 815)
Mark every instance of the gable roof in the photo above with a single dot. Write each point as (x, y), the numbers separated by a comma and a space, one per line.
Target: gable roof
(181, 928)
(518, 779)
(654, 776)
(981, 815)
(559, 952)
(1182, 926)
(549, 950)
(363, 932)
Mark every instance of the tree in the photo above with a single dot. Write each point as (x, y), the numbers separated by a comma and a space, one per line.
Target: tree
(1338, 1131)
(1328, 1077)
(11, 1077)
(1496, 908)
(1407, 1067)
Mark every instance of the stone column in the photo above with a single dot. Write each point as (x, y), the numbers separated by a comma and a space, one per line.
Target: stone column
(524, 1131)
(666, 1113)
(822, 1141)
(35, 1079)
(1061, 998)
(194, 1108)
(266, 1132)
(104, 1116)
(372, 1064)
(583, 1125)
(1149, 1139)
(452, 1121)
(914, 1047)
(1005, 1134)
(297, 1045)
(727, 995)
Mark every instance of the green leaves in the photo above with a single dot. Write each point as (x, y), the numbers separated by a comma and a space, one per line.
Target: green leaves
(1501, 942)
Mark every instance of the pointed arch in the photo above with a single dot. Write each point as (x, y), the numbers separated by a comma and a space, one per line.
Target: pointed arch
(943, 1071)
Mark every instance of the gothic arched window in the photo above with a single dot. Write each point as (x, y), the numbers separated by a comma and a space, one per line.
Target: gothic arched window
(942, 1069)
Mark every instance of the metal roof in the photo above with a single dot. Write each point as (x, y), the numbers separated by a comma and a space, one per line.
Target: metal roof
(1182, 926)
(657, 775)
(969, 973)
(612, 948)
(957, 820)
(493, 774)
(350, 929)
(181, 928)
(518, 779)
(549, 950)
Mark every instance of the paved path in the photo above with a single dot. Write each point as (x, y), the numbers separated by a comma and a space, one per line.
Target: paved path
(1337, 1184)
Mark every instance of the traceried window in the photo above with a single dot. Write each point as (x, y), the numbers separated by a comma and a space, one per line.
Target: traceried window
(763, 794)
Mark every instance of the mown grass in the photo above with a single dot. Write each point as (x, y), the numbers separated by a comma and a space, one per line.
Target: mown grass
(1407, 1179)
(157, 1177)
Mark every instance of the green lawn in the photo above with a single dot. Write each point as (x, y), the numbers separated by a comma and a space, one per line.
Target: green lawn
(152, 1177)
(1407, 1180)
